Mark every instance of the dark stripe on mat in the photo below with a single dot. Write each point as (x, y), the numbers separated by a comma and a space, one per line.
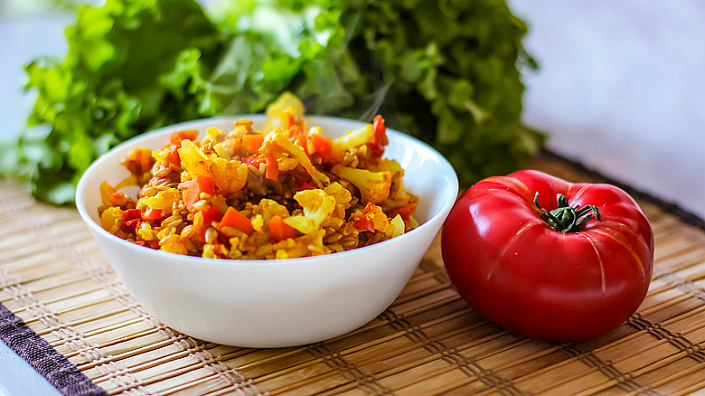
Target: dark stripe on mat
(466, 364)
(678, 340)
(625, 381)
(61, 373)
(365, 382)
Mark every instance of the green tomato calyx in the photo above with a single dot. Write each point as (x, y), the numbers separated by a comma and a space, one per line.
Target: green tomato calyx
(566, 218)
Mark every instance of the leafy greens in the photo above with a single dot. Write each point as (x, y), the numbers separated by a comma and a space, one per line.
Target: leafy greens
(447, 72)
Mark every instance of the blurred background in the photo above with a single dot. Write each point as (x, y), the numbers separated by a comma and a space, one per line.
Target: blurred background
(621, 88)
(620, 84)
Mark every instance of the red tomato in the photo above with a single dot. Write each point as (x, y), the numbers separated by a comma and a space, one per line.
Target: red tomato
(573, 283)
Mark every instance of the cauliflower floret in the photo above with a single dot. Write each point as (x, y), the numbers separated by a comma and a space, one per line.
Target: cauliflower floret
(395, 228)
(278, 113)
(393, 167)
(271, 207)
(341, 194)
(305, 245)
(374, 186)
(162, 200)
(109, 218)
(355, 138)
(318, 207)
(229, 175)
(278, 142)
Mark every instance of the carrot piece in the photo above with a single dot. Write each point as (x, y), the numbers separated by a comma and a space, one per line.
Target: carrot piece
(272, 167)
(252, 142)
(280, 230)
(194, 188)
(233, 218)
(177, 137)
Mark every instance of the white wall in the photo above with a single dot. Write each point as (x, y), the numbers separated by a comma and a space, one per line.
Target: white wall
(621, 88)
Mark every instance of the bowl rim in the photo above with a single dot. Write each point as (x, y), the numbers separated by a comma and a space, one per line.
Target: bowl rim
(82, 188)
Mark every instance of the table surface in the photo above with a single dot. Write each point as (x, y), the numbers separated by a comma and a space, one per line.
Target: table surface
(23, 39)
(635, 91)
(428, 340)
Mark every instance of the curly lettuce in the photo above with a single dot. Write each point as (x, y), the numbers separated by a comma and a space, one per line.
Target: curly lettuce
(447, 72)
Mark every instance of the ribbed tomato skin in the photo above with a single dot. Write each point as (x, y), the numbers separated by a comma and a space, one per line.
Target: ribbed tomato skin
(511, 266)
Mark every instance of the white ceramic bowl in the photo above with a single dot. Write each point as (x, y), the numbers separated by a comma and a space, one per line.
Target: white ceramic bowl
(274, 303)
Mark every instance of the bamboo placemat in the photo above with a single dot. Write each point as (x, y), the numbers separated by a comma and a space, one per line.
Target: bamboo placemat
(54, 277)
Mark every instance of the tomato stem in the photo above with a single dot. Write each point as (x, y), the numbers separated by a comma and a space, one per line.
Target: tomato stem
(566, 218)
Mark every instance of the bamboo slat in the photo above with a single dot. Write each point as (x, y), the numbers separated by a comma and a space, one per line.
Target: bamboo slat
(54, 277)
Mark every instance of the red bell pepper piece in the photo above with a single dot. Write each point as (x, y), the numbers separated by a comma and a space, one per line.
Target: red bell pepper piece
(379, 139)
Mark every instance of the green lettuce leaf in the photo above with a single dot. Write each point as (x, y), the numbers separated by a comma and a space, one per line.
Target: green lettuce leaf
(447, 72)
(111, 86)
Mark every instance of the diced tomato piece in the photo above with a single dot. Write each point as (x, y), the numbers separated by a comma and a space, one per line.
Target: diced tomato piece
(233, 218)
(365, 223)
(280, 230)
(131, 219)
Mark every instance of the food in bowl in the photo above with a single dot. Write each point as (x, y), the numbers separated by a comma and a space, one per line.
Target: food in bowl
(273, 303)
(245, 194)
